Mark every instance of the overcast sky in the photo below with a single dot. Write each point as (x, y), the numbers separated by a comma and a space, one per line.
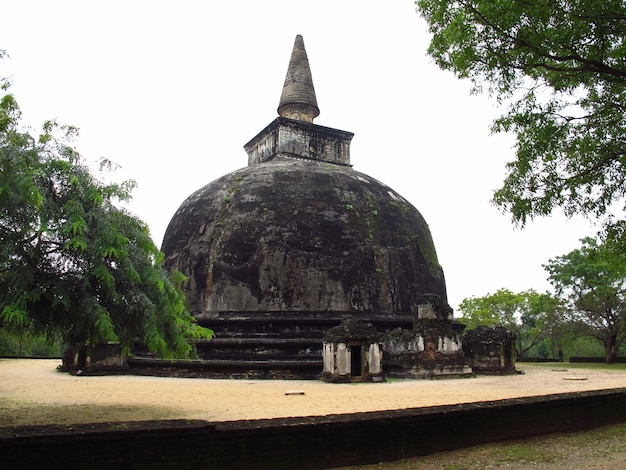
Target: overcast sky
(171, 91)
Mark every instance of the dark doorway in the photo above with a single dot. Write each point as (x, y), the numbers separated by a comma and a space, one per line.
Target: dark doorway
(355, 361)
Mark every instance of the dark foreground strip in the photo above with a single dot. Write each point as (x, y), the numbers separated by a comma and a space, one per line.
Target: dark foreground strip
(305, 442)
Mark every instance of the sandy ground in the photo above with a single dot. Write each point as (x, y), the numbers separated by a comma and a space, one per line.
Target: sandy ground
(34, 392)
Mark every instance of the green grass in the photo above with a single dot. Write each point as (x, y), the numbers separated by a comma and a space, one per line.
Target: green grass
(602, 447)
(572, 365)
(521, 453)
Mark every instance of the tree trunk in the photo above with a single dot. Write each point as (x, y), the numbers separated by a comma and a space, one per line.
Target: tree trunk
(609, 350)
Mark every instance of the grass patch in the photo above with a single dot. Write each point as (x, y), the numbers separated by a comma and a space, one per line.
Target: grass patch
(604, 447)
(573, 365)
(522, 453)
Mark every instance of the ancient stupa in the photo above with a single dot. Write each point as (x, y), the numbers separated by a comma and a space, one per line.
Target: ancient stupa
(280, 252)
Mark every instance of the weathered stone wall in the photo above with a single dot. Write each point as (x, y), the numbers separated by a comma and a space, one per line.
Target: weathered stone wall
(293, 138)
(101, 358)
(490, 350)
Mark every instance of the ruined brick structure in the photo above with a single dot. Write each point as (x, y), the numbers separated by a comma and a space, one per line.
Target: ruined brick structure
(490, 350)
(280, 251)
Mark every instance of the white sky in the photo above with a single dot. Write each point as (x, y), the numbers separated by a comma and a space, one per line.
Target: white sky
(171, 91)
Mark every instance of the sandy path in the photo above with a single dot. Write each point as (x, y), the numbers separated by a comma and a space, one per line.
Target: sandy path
(33, 392)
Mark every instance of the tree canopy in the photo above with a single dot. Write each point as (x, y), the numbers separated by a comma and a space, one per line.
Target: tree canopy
(561, 67)
(72, 261)
(530, 315)
(592, 281)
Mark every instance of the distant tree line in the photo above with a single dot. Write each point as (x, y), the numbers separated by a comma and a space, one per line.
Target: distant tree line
(587, 308)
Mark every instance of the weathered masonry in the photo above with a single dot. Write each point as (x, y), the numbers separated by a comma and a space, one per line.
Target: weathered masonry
(280, 252)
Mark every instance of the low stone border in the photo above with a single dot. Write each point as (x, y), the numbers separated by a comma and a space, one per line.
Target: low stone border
(307, 442)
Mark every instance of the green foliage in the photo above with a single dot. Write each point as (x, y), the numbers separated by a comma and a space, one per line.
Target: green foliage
(600, 366)
(560, 66)
(532, 316)
(26, 344)
(72, 262)
(582, 346)
(592, 281)
(519, 453)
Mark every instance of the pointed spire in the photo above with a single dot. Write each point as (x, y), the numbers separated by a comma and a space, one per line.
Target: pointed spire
(298, 98)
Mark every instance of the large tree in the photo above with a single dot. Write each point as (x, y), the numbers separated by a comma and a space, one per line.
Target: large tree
(592, 280)
(72, 261)
(530, 315)
(561, 67)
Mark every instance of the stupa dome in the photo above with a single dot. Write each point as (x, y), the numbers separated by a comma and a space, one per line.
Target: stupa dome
(280, 251)
(291, 234)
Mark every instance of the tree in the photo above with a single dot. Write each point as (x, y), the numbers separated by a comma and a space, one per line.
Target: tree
(530, 315)
(592, 280)
(561, 66)
(71, 261)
